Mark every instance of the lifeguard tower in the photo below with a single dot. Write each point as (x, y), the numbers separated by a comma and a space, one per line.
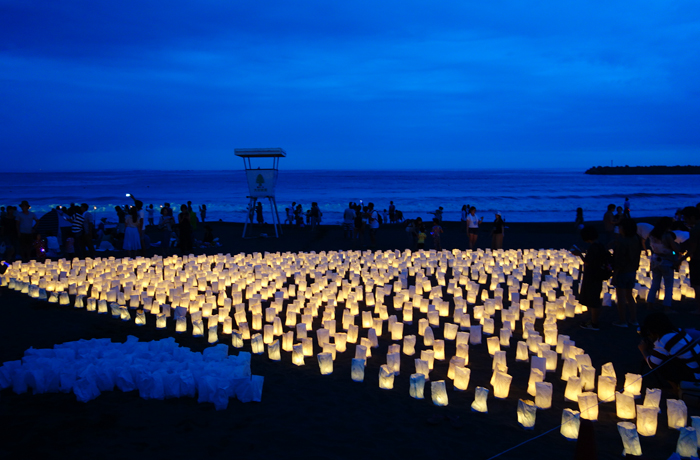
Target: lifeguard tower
(261, 182)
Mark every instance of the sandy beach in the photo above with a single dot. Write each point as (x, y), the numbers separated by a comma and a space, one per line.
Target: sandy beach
(304, 414)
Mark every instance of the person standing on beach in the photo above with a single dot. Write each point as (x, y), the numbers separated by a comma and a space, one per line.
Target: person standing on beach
(626, 210)
(359, 229)
(314, 216)
(203, 212)
(663, 261)
(82, 231)
(373, 221)
(151, 214)
(595, 271)
(166, 224)
(473, 223)
(259, 213)
(348, 221)
(497, 232)
(25, 230)
(392, 212)
(437, 233)
(609, 225)
(626, 257)
(579, 219)
(132, 234)
(463, 219)
(185, 227)
(420, 237)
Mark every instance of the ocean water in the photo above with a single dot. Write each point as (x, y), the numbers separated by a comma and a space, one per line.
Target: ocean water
(550, 195)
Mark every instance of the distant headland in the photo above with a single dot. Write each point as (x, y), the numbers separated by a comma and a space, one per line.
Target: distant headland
(643, 170)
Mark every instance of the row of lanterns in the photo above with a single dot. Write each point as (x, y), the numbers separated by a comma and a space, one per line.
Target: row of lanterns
(210, 294)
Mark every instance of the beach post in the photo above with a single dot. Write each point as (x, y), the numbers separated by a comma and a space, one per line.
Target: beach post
(262, 181)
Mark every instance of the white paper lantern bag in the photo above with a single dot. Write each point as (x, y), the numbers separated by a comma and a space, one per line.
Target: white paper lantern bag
(438, 392)
(527, 412)
(687, 445)
(677, 413)
(630, 438)
(570, 423)
(480, 403)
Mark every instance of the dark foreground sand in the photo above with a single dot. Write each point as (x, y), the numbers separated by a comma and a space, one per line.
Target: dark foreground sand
(304, 414)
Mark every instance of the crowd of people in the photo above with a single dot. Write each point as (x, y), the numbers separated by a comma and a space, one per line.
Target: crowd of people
(72, 231)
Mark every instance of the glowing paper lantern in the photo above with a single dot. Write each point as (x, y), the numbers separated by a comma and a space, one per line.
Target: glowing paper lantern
(536, 375)
(647, 420)
(527, 412)
(417, 386)
(438, 392)
(630, 438)
(488, 326)
(428, 337)
(499, 360)
(308, 346)
(551, 359)
(570, 369)
(462, 376)
(361, 353)
(587, 378)
(608, 370)
(422, 367)
(197, 326)
(409, 345)
(570, 423)
(625, 406)
(543, 395)
(393, 360)
(521, 352)
(501, 385)
(494, 345)
(633, 384)
(687, 445)
(480, 403)
(573, 389)
(677, 413)
(161, 322)
(505, 335)
(588, 405)
(298, 355)
(340, 340)
(450, 331)
(439, 349)
(325, 363)
(236, 339)
(257, 344)
(606, 388)
(653, 398)
(357, 370)
(463, 352)
(140, 319)
(273, 351)
(386, 377)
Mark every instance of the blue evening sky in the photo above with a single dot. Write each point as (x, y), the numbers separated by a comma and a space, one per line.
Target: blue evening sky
(144, 84)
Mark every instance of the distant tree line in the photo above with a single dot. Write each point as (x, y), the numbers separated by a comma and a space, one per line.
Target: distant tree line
(642, 170)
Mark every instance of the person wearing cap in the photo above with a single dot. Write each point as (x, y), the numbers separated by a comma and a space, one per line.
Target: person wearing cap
(497, 232)
(25, 230)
